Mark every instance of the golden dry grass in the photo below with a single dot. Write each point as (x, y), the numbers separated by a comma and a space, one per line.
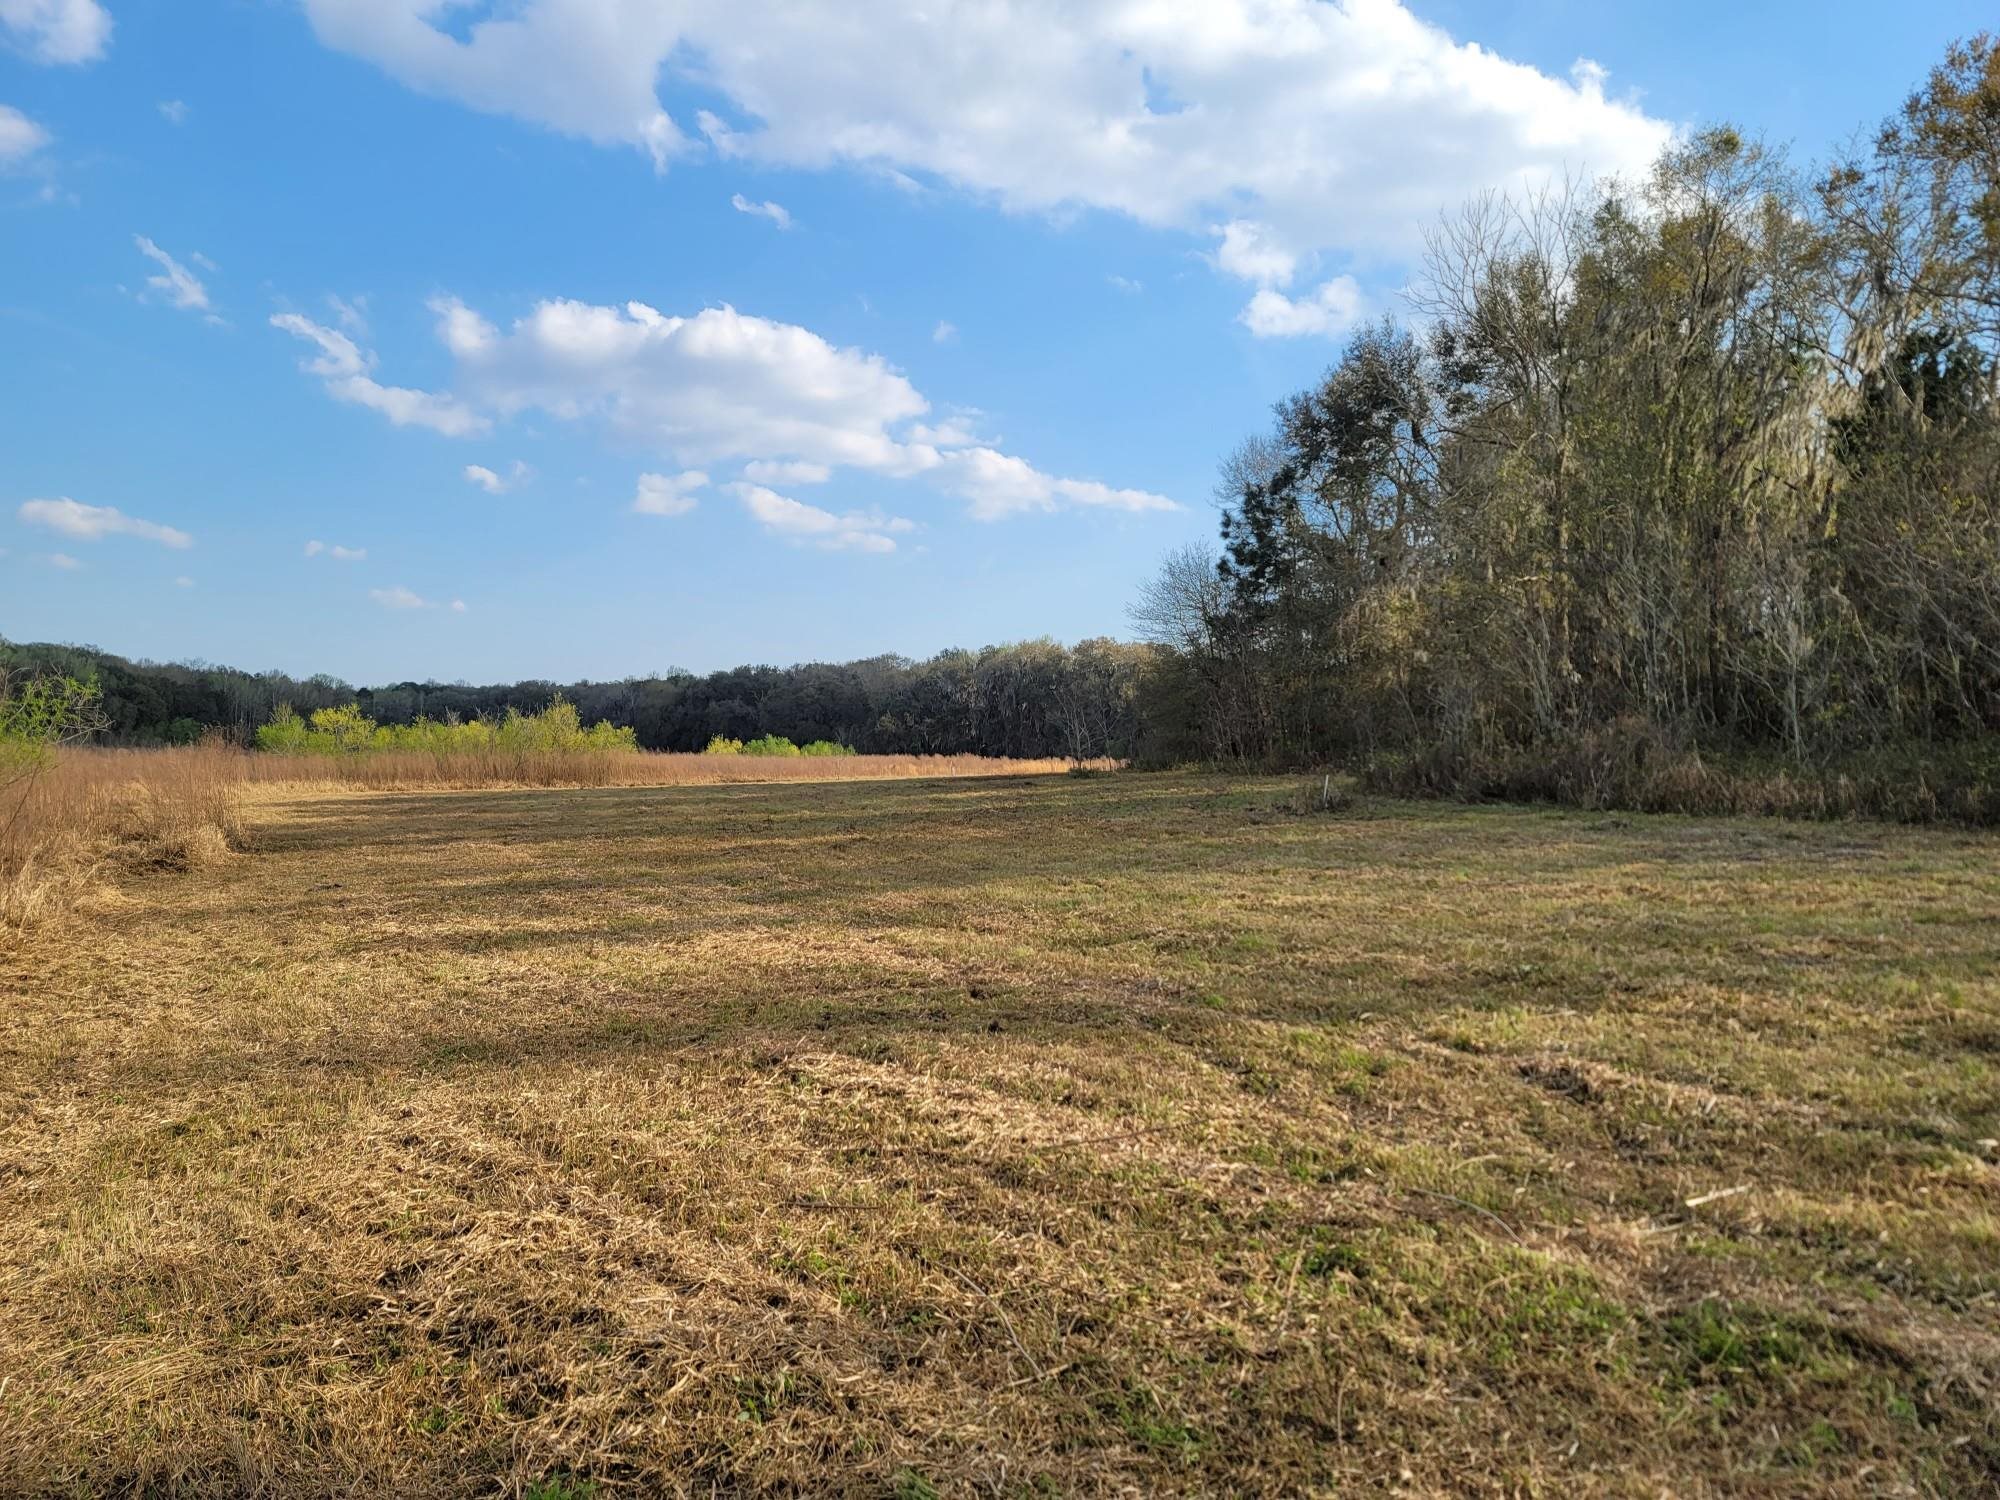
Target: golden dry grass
(1137, 1134)
(94, 811)
(107, 809)
(417, 770)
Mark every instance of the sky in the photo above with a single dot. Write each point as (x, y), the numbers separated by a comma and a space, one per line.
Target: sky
(495, 339)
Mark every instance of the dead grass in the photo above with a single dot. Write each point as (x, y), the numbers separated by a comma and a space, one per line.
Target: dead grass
(416, 770)
(104, 810)
(95, 811)
(1100, 1136)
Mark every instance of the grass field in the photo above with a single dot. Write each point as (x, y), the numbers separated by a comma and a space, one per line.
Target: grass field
(1127, 1134)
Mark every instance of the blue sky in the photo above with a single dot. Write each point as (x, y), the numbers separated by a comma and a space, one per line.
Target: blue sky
(590, 337)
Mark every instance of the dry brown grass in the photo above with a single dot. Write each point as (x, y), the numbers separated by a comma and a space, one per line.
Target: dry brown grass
(99, 810)
(95, 811)
(1115, 1136)
(415, 770)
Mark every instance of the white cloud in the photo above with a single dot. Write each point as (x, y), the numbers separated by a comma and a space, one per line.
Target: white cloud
(1336, 126)
(1126, 284)
(180, 286)
(997, 485)
(955, 431)
(344, 367)
(64, 561)
(57, 31)
(944, 333)
(335, 551)
(720, 384)
(668, 495)
(723, 386)
(352, 313)
(458, 606)
(583, 67)
(1250, 251)
(495, 483)
(764, 471)
(174, 111)
(1332, 309)
(795, 521)
(20, 137)
(92, 523)
(183, 582)
(399, 598)
(775, 212)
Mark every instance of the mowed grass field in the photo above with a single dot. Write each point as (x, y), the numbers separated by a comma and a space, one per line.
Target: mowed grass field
(1113, 1135)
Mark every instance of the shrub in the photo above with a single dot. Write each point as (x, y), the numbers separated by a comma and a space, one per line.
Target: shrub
(36, 715)
(556, 730)
(721, 745)
(825, 747)
(770, 744)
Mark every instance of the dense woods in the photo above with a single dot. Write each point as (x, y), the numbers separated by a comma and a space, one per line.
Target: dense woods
(1031, 700)
(1709, 461)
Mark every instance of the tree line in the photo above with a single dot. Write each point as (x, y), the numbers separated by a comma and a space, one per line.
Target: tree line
(1030, 699)
(1713, 456)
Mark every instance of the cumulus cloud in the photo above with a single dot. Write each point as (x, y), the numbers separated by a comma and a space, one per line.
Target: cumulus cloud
(1250, 251)
(174, 111)
(1125, 284)
(715, 388)
(718, 385)
(56, 31)
(944, 333)
(765, 471)
(64, 561)
(344, 368)
(997, 485)
(180, 286)
(775, 212)
(1333, 126)
(496, 483)
(795, 521)
(20, 137)
(399, 597)
(668, 495)
(335, 551)
(92, 523)
(584, 67)
(723, 385)
(1332, 308)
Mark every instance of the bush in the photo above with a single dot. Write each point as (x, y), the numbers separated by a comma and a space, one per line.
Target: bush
(770, 744)
(39, 713)
(721, 745)
(825, 747)
(557, 729)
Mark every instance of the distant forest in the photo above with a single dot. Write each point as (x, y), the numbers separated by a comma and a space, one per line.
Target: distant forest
(1034, 699)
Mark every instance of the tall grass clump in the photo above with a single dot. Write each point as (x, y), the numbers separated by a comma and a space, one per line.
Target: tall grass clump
(67, 812)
